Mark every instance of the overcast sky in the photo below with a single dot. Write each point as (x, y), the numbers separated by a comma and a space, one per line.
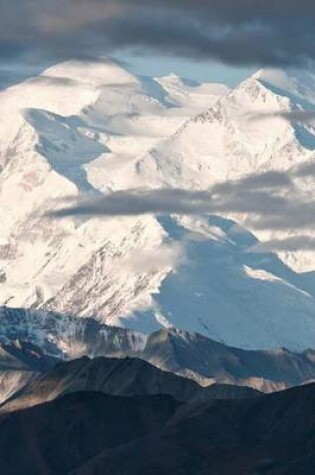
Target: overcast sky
(241, 33)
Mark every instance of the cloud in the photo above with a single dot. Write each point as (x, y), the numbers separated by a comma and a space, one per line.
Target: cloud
(306, 169)
(234, 31)
(140, 202)
(167, 255)
(253, 193)
(263, 201)
(295, 115)
(266, 180)
(290, 244)
(293, 215)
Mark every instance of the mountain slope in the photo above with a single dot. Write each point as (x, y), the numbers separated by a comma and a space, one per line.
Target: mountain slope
(59, 436)
(91, 433)
(67, 337)
(221, 284)
(116, 377)
(20, 363)
(273, 435)
(225, 142)
(204, 360)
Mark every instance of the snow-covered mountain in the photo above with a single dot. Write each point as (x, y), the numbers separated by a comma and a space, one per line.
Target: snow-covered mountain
(51, 127)
(67, 337)
(237, 137)
(95, 127)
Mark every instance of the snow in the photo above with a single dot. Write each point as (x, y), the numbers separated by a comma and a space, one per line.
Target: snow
(186, 93)
(94, 73)
(223, 291)
(94, 127)
(66, 337)
(226, 143)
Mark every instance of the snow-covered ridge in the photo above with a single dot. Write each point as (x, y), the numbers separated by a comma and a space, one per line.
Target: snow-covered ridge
(64, 336)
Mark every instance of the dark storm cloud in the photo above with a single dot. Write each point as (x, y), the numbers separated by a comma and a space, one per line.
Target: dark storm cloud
(235, 31)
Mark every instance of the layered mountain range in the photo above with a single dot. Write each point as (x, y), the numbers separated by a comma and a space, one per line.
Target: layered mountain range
(116, 377)
(95, 433)
(109, 415)
(54, 338)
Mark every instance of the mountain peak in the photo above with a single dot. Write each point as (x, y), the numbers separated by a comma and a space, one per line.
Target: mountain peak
(99, 72)
(174, 79)
(298, 85)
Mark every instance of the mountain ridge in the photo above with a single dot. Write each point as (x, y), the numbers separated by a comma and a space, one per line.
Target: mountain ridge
(116, 377)
(273, 433)
(187, 354)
